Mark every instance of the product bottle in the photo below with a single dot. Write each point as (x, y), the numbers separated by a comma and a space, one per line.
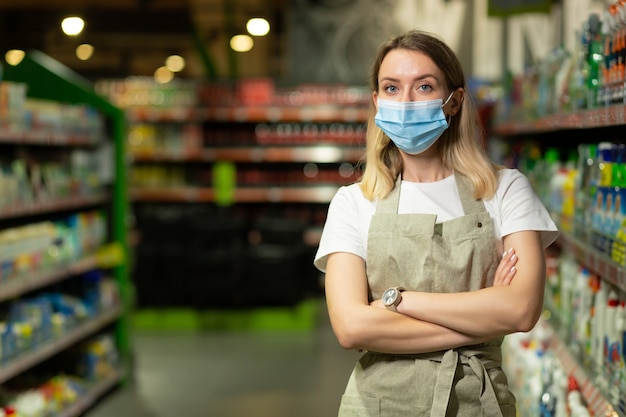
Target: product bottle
(612, 305)
(599, 326)
(585, 189)
(594, 59)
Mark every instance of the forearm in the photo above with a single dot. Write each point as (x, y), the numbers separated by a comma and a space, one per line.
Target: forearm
(375, 329)
(490, 312)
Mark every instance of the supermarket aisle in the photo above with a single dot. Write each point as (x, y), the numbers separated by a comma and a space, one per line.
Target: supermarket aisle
(265, 374)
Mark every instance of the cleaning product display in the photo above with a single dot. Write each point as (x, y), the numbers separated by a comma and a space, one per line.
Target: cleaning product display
(585, 193)
(590, 317)
(563, 121)
(64, 292)
(52, 392)
(540, 383)
(590, 76)
(31, 323)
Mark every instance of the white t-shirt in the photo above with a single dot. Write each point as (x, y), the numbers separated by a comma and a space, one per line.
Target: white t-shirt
(514, 207)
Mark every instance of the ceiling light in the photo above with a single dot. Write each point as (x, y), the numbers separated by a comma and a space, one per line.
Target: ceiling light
(163, 75)
(258, 26)
(241, 43)
(84, 51)
(175, 63)
(14, 56)
(73, 25)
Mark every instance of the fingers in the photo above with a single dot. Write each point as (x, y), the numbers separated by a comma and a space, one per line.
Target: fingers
(506, 269)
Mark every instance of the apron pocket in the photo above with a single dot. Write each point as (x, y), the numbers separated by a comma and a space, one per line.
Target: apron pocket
(353, 406)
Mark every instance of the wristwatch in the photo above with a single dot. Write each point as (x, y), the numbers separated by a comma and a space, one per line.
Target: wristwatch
(392, 297)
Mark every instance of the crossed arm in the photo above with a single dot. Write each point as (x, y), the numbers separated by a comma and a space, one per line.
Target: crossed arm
(428, 322)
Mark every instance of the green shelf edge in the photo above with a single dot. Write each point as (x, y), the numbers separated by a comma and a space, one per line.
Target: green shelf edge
(301, 317)
(51, 80)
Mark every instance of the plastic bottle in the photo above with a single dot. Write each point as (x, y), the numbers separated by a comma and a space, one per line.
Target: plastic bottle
(615, 353)
(610, 318)
(575, 406)
(583, 311)
(594, 59)
(549, 167)
(556, 189)
(568, 270)
(604, 91)
(584, 189)
(548, 399)
(603, 199)
(599, 325)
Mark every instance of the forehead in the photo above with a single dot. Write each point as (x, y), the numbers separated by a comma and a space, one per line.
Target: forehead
(407, 62)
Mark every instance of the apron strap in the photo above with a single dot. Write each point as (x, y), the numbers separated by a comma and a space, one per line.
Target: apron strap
(488, 397)
(444, 383)
(470, 204)
(445, 380)
(390, 204)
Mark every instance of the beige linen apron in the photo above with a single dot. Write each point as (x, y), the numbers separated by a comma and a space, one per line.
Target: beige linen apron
(413, 251)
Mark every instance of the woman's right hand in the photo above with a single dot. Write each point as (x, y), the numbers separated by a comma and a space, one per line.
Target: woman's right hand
(506, 269)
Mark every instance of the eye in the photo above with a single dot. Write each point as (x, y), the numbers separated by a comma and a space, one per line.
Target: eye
(425, 88)
(390, 89)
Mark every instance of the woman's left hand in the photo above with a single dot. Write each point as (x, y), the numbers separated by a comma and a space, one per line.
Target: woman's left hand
(506, 269)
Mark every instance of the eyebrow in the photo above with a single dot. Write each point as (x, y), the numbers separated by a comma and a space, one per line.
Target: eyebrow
(421, 77)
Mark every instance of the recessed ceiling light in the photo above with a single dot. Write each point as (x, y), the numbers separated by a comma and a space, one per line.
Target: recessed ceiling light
(241, 43)
(84, 51)
(258, 26)
(175, 63)
(163, 75)
(72, 25)
(14, 56)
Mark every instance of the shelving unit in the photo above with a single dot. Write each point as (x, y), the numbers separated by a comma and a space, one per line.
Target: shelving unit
(247, 118)
(49, 80)
(264, 204)
(597, 262)
(610, 116)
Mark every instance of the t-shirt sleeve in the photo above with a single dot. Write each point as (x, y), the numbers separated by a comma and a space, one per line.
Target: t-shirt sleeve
(341, 231)
(522, 210)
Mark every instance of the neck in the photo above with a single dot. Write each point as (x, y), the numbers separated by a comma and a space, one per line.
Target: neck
(424, 168)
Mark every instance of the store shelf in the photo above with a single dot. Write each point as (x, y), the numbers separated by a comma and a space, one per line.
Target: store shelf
(46, 137)
(305, 113)
(594, 260)
(595, 399)
(32, 281)
(33, 357)
(51, 206)
(587, 119)
(85, 401)
(274, 194)
(317, 154)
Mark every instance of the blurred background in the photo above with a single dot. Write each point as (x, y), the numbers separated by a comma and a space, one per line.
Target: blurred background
(166, 168)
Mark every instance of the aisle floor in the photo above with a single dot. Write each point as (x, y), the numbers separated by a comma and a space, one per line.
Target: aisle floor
(233, 374)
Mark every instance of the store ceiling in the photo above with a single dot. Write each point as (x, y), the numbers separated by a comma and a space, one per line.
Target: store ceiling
(133, 37)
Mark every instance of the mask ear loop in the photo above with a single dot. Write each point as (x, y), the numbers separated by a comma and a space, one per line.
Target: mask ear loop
(448, 116)
(448, 99)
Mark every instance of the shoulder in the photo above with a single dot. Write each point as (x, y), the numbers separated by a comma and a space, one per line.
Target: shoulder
(351, 195)
(511, 182)
(511, 177)
(517, 207)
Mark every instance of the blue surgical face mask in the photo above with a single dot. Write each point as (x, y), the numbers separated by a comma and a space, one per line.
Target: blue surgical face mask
(414, 126)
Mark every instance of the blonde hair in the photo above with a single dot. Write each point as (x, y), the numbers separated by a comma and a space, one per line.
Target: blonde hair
(460, 145)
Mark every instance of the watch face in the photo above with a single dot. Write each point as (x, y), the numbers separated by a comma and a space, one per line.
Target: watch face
(389, 296)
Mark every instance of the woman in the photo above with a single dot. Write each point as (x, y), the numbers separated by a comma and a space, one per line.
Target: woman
(436, 253)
